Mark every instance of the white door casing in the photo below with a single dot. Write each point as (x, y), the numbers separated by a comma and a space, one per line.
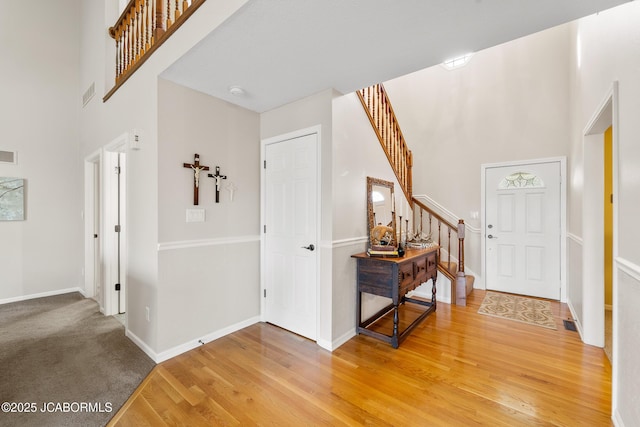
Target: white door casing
(92, 270)
(522, 228)
(291, 234)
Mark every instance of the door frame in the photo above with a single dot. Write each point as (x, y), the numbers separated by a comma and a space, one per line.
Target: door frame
(314, 130)
(107, 296)
(591, 324)
(92, 224)
(563, 214)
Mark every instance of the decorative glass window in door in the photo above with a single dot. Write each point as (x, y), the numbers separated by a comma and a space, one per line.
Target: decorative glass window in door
(520, 180)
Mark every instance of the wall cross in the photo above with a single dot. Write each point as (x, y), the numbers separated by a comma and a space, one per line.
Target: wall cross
(196, 175)
(218, 179)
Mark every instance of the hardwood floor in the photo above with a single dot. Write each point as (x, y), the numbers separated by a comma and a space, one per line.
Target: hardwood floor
(457, 368)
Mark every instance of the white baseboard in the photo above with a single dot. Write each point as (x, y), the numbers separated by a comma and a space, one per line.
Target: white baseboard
(143, 345)
(190, 345)
(575, 320)
(42, 295)
(617, 420)
(338, 341)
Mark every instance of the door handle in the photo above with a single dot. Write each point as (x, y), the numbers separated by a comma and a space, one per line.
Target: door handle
(491, 237)
(310, 247)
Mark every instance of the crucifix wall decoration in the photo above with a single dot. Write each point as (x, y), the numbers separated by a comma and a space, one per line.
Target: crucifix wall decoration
(218, 179)
(197, 167)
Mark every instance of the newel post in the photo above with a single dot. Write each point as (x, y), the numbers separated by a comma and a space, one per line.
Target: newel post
(461, 281)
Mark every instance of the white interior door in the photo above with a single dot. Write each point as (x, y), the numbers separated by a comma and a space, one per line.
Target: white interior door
(522, 229)
(291, 253)
(113, 237)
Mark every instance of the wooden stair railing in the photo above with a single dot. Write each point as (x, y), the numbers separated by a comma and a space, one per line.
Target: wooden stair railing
(143, 26)
(378, 108)
(376, 104)
(436, 228)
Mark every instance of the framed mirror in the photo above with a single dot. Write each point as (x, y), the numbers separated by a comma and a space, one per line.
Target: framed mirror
(381, 217)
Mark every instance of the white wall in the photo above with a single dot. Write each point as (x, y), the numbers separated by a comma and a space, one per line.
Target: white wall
(508, 103)
(39, 110)
(135, 106)
(608, 51)
(208, 271)
(356, 155)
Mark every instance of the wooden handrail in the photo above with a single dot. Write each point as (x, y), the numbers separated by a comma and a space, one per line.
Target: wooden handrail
(458, 277)
(376, 104)
(141, 28)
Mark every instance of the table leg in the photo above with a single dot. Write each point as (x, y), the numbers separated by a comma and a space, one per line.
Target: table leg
(396, 319)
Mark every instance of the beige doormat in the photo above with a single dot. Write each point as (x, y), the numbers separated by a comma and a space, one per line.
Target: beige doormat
(521, 309)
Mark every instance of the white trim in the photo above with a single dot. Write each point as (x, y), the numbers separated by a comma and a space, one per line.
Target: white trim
(453, 218)
(327, 345)
(91, 161)
(628, 267)
(15, 157)
(118, 144)
(341, 340)
(348, 242)
(575, 318)
(143, 345)
(563, 214)
(186, 244)
(42, 295)
(576, 239)
(190, 345)
(313, 130)
(605, 115)
(617, 418)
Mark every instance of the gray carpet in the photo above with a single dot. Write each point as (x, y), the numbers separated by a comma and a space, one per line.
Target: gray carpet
(66, 362)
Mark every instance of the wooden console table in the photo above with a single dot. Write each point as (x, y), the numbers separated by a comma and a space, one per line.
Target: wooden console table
(394, 278)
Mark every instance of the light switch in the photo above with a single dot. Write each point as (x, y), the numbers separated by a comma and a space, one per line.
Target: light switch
(195, 215)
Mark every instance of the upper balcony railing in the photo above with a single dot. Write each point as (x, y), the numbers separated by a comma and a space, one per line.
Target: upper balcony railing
(142, 28)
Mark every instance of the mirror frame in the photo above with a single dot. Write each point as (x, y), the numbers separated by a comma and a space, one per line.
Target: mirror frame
(371, 182)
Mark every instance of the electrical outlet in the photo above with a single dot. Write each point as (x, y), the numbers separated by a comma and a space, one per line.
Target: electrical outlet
(148, 314)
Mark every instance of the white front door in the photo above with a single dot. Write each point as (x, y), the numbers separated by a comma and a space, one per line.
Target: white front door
(291, 252)
(522, 229)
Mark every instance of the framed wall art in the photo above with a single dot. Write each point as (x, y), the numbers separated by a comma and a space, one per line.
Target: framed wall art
(11, 199)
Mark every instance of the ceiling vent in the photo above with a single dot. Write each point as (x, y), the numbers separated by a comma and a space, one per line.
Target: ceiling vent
(8, 157)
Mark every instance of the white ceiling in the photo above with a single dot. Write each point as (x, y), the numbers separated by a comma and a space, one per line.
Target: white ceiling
(279, 51)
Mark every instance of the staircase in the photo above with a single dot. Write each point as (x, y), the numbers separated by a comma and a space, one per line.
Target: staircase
(427, 225)
(451, 258)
